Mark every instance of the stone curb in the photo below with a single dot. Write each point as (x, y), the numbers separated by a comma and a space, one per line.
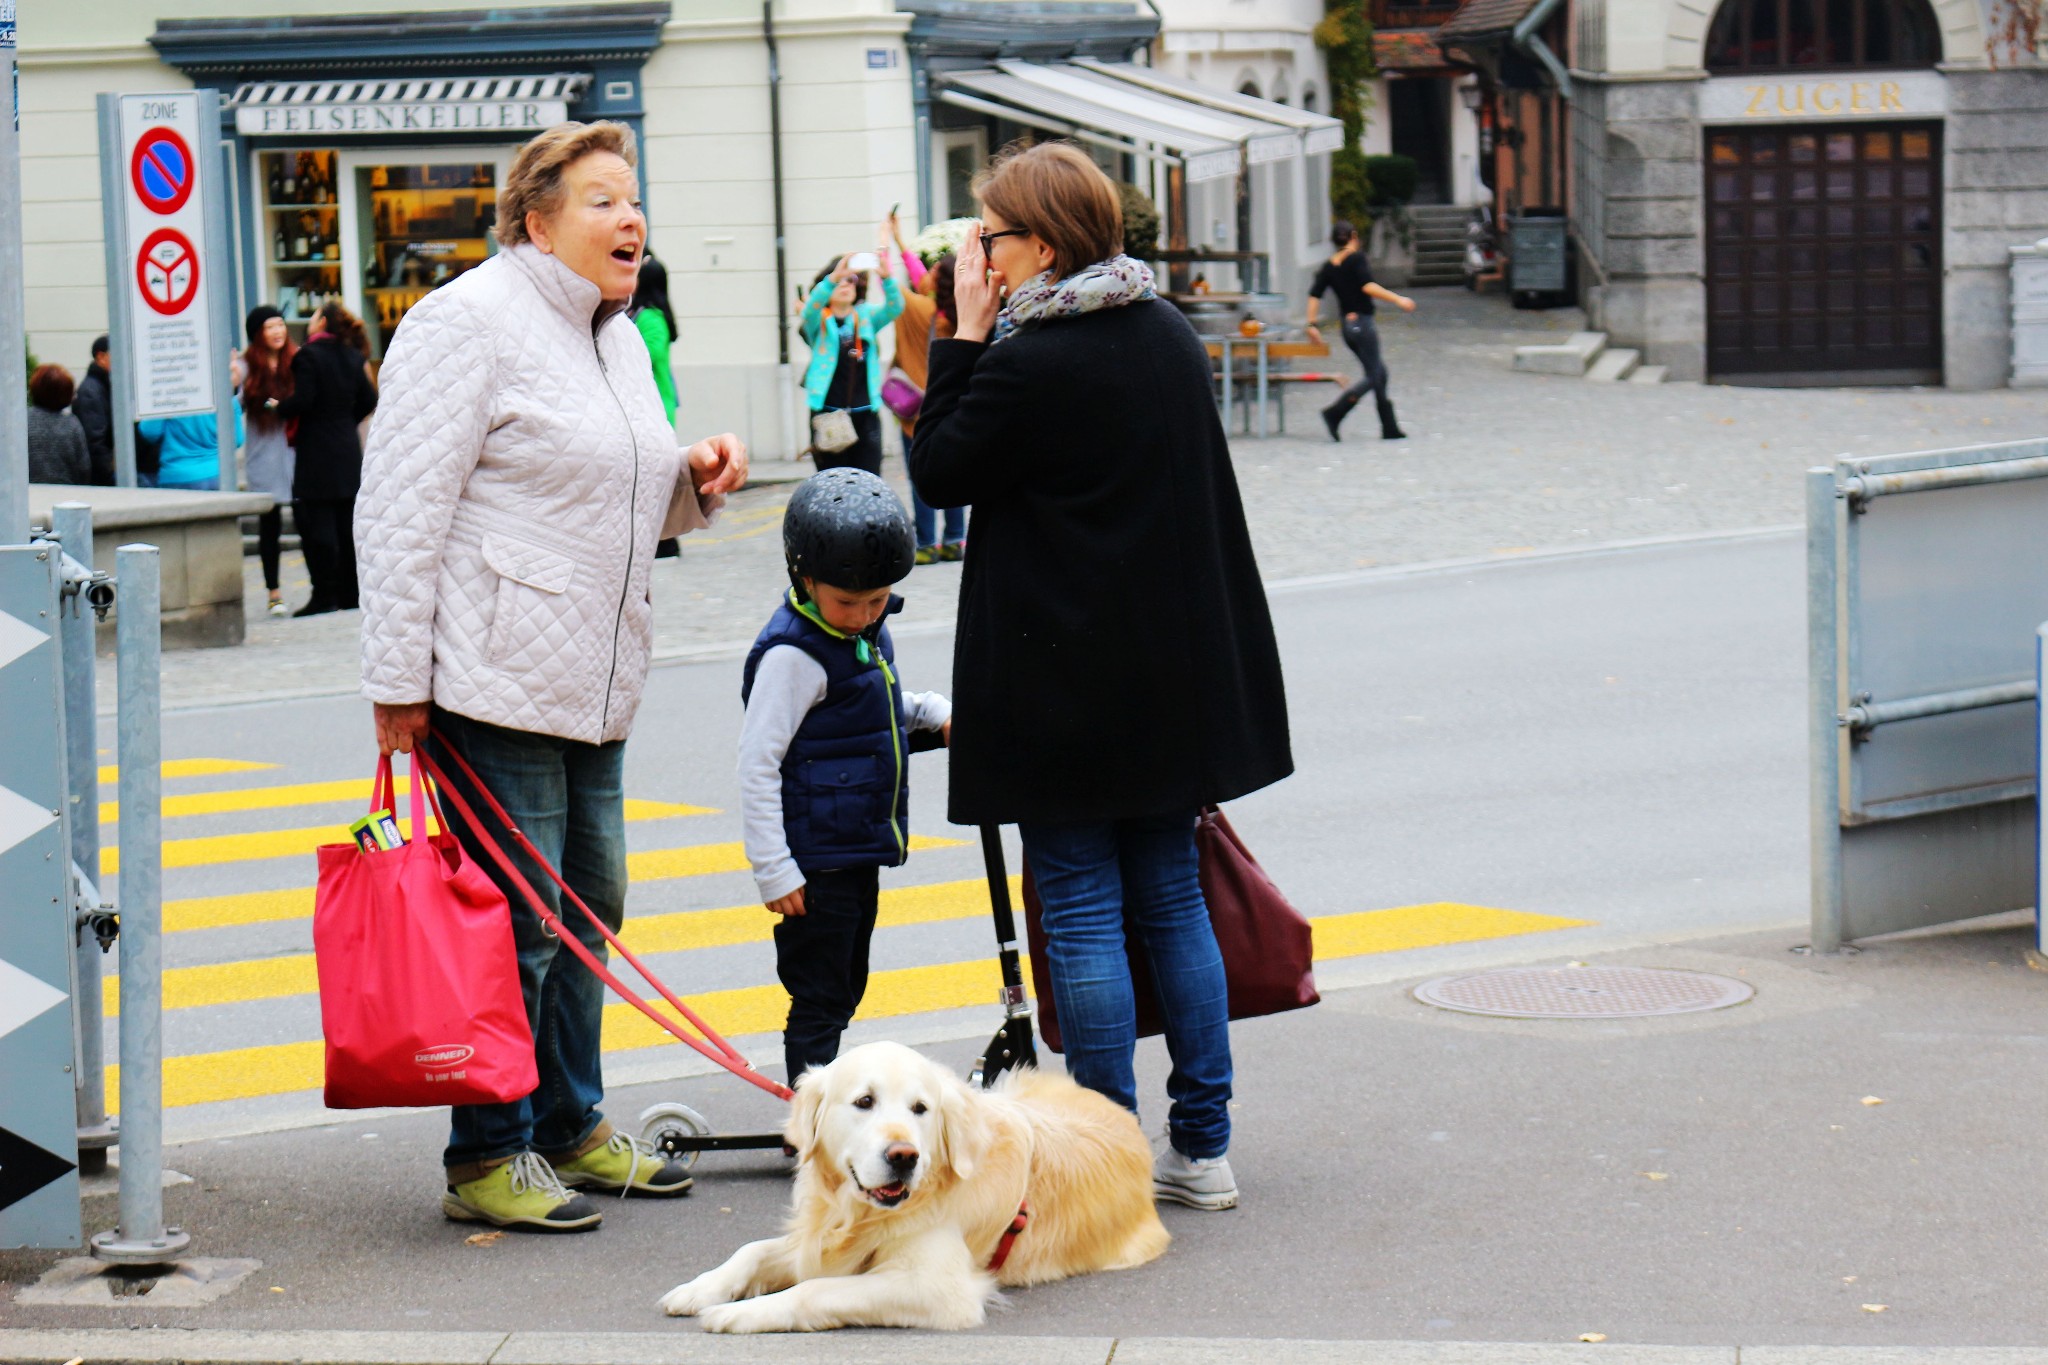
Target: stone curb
(687, 1346)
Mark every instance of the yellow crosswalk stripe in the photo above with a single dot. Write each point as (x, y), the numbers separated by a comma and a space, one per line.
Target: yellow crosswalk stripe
(259, 907)
(272, 978)
(192, 767)
(214, 849)
(248, 1073)
(334, 794)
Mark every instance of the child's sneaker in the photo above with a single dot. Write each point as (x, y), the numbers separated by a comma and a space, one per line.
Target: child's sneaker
(521, 1193)
(1206, 1184)
(628, 1165)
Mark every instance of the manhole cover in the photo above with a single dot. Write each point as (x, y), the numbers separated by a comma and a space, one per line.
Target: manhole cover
(1583, 992)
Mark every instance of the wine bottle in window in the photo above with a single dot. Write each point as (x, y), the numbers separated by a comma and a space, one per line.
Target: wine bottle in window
(276, 181)
(290, 193)
(283, 247)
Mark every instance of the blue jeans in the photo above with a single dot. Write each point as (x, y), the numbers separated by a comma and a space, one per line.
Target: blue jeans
(570, 800)
(1093, 880)
(195, 486)
(928, 518)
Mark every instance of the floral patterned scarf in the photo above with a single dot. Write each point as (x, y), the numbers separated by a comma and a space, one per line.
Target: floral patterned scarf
(1106, 284)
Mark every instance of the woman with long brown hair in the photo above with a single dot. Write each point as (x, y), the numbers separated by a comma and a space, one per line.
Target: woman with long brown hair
(267, 457)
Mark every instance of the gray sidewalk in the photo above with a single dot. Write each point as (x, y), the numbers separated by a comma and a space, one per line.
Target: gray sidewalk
(1409, 1175)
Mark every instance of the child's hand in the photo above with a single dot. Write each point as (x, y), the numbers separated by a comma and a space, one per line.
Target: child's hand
(946, 733)
(792, 904)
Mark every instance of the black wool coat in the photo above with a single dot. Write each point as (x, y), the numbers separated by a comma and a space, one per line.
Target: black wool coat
(330, 395)
(1114, 656)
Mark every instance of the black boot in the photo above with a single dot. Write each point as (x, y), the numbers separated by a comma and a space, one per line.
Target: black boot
(1334, 415)
(1390, 430)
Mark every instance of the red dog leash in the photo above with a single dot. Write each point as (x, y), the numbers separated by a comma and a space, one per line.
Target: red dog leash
(711, 1045)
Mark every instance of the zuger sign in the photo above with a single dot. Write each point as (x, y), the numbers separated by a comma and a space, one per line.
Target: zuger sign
(442, 116)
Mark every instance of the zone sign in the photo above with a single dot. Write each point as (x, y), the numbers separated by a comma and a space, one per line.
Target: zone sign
(164, 192)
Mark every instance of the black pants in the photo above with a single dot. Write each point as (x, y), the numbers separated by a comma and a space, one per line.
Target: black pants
(1364, 340)
(822, 958)
(866, 450)
(327, 535)
(270, 543)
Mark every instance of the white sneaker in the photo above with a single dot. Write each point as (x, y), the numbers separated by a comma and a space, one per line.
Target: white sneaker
(1206, 1184)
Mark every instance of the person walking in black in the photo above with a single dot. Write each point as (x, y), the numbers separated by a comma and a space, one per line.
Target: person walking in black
(93, 406)
(1349, 277)
(331, 392)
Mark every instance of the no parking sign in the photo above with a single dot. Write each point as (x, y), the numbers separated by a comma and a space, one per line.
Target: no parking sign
(170, 355)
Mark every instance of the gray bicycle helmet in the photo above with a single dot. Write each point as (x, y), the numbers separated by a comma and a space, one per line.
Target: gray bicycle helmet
(847, 528)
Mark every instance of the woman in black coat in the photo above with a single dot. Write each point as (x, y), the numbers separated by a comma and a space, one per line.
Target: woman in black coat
(1114, 669)
(331, 394)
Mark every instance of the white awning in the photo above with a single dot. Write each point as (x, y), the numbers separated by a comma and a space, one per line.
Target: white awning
(1319, 132)
(447, 104)
(1213, 131)
(1206, 157)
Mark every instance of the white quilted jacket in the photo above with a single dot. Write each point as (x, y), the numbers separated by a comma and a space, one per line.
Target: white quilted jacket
(519, 471)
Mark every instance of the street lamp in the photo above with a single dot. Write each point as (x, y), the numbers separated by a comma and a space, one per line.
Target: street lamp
(1472, 95)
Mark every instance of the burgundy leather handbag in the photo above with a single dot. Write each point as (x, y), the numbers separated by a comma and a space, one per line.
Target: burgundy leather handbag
(1268, 948)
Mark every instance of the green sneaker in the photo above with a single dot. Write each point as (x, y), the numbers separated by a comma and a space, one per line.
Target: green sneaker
(522, 1193)
(953, 551)
(628, 1165)
(927, 554)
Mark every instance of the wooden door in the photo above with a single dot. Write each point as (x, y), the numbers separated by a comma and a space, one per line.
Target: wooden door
(1824, 254)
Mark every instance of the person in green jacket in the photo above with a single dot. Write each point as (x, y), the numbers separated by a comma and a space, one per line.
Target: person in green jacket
(657, 324)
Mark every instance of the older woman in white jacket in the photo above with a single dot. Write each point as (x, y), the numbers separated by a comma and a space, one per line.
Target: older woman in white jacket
(519, 472)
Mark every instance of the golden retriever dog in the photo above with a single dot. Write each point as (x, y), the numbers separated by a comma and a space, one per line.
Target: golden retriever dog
(908, 1181)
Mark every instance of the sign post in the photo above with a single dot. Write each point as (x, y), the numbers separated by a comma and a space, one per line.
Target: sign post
(13, 360)
(168, 278)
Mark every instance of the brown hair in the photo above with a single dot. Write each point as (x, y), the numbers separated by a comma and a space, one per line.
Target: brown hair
(345, 326)
(535, 182)
(50, 388)
(1057, 192)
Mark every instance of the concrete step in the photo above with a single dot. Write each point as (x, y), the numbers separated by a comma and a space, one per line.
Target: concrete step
(1569, 357)
(1647, 374)
(1614, 365)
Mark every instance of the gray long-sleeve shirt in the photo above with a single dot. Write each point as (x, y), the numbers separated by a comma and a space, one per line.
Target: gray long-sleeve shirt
(787, 684)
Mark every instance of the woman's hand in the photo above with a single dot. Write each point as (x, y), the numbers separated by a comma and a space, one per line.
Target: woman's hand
(977, 290)
(946, 733)
(719, 464)
(399, 727)
(1404, 303)
(792, 904)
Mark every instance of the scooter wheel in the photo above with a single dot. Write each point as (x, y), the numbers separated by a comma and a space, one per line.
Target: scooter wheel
(669, 1127)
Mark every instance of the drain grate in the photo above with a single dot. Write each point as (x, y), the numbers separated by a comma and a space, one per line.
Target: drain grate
(1583, 992)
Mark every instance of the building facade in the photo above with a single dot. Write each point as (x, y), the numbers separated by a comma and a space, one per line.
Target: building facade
(368, 139)
(1806, 192)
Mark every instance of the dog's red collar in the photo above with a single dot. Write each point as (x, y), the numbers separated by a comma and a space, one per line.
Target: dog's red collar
(1010, 1236)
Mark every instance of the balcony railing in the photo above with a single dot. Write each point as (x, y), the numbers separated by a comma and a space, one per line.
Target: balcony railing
(1412, 13)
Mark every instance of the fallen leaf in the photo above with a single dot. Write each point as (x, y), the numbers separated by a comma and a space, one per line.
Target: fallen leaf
(1875, 1307)
(1848, 1279)
(277, 1289)
(484, 1239)
(75, 1360)
(1872, 1100)
(1655, 1175)
(1592, 1336)
(1834, 1128)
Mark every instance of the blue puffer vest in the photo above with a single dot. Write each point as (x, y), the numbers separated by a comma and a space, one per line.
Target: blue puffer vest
(846, 778)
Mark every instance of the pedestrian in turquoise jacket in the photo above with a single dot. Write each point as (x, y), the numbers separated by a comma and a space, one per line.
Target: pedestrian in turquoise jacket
(191, 449)
(845, 373)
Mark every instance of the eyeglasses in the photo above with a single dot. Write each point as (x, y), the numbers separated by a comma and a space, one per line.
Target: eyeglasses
(988, 237)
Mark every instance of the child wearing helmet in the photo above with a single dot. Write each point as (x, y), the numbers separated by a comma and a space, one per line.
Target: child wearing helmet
(825, 747)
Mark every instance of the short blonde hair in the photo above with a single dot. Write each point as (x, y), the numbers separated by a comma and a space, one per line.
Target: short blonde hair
(1055, 191)
(535, 182)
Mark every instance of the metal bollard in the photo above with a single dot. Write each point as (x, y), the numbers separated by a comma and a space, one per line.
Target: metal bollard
(141, 1238)
(72, 524)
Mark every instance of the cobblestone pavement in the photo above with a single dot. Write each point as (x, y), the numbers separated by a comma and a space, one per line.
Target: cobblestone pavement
(1497, 463)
